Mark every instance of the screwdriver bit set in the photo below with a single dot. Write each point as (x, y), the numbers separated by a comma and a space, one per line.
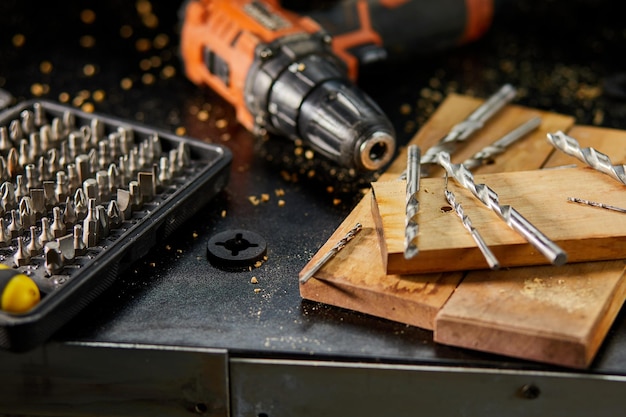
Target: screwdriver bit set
(82, 197)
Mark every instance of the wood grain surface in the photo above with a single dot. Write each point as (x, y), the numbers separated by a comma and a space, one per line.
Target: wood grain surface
(356, 279)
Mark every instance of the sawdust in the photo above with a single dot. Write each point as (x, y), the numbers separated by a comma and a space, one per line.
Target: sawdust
(560, 293)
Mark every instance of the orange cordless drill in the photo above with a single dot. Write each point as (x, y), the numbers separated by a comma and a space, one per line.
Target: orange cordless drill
(286, 74)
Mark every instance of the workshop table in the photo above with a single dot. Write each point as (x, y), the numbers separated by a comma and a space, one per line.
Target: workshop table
(175, 335)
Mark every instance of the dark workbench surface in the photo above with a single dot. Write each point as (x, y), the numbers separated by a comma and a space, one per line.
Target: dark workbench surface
(564, 56)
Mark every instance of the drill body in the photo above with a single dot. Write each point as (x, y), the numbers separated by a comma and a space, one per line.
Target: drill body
(287, 74)
(280, 72)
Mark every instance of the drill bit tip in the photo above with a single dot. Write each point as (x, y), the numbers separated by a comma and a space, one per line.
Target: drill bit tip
(331, 253)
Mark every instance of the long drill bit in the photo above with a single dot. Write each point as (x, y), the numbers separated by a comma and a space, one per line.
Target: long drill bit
(332, 252)
(512, 217)
(596, 160)
(596, 204)
(467, 223)
(498, 147)
(412, 203)
(475, 121)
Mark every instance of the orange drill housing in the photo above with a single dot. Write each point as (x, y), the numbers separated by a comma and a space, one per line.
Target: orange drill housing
(280, 72)
(221, 39)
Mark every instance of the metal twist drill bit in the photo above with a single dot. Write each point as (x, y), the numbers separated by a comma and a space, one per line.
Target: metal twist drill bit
(467, 223)
(596, 160)
(596, 204)
(475, 121)
(412, 203)
(332, 252)
(512, 217)
(498, 147)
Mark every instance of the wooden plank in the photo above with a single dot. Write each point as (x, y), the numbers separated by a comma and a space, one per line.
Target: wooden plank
(556, 315)
(548, 314)
(356, 279)
(539, 195)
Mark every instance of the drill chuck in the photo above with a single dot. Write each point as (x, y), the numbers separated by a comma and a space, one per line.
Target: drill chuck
(345, 125)
(299, 89)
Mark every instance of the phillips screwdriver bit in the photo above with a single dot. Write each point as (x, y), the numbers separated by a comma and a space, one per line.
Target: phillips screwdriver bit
(412, 203)
(596, 160)
(508, 214)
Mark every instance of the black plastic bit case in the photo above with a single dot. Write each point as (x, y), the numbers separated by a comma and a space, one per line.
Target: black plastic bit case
(67, 292)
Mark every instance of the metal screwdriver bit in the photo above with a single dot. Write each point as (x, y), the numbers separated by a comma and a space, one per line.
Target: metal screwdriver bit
(411, 228)
(508, 214)
(34, 247)
(91, 225)
(15, 131)
(39, 116)
(45, 135)
(475, 121)
(5, 140)
(34, 146)
(61, 189)
(13, 164)
(331, 253)
(5, 236)
(58, 225)
(596, 160)
(487, 153)
(27, 216)
(124, 202)
(15, 227)
(79, 245)
(4, 174)
(23, 155)
(28, 121)
(38, 200)
(45, 235)
(80, 204)
(20, 188)
(114, 214)
(21, 256)
(103, 221)
(69, 214)
(491, 259)
(53, 259)
(7, 199)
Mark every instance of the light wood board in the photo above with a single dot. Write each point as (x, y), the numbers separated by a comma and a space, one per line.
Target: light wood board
(356, 279)
(540, 196)
(556, 315)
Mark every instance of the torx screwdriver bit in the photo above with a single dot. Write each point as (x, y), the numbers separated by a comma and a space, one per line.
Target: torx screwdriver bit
(596, 160)
(511, 217)
(487, 153)
(411, 228)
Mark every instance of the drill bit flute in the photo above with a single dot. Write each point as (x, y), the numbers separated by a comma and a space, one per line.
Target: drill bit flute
(512, 217)
(467, 223)
(488, 152)
(596, 160)
(475, 121)
(332, 252)
(412, 203)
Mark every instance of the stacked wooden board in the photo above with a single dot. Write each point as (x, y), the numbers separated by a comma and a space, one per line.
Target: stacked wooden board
(556, 315)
